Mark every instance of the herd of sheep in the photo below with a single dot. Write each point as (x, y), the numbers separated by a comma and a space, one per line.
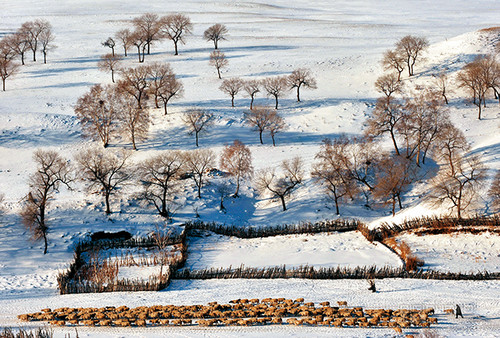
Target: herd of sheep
(242, 312)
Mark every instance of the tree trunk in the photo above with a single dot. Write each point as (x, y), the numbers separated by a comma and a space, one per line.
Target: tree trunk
(149, 43)
(215, 43)
(113, 51)
(251, 103)
(337, 204)
(399, 202)
(156, 101)
(165, 106)
(125, 50)
(298, 93)
(22, 58)
(133, 141)
(276, 97)
(34, 55)
(196, 139)
(112, 76)
(199, 188)
(260, 136)
(272, 137)
(45, 57)
(218, 72)
(479, 110)
(237, 185)
(3, 84)
(175, 45)
(139, 53)
(394, 142)
(393, 206)
(232, 100)
(283, 202)
(106, 198)
(222, 208)
(45, 242)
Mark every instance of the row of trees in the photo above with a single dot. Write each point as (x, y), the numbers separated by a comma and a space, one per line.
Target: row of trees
(149, 28)
(32, 36)
(418, 124)
(275, 87)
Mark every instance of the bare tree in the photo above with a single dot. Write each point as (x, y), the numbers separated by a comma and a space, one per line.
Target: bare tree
(110, 43)
(259, 119)
(395, 175)
(281, 186)
(385, 119)
(301, 77)
(215, 33)
(159, 177)
(175, 27)
(162, 240)
(411, 47)
(172, 88)
(139, 41)
(252, 87)
(7, 69)
(19, 42)
(423, 119)
(109, 63)
(389, 84)
(52, 171)
(223, 189)
(361, 158)
(218, 60)
(198, 121)
(276, 86)
(7, 50)
(276, 124)
(494, 192)
(104, 172)
(477, 77)
(125, 36)
(459, 176)
(236, 159)
(441, 84)
(331, 172)
(148, 25)
(159, 74)
(231, 87)
(393, 59)
(34, 29)
(46, 40)
(198, 163)
(96, 111)
(135, 83)
(457, 182)
(134, 122)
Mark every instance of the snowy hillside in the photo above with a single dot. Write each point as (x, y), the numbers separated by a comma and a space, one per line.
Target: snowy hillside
(342, 43)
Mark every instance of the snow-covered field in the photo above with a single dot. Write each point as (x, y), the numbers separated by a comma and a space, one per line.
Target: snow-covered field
(342, 43)
(349, 249)
(456, 252)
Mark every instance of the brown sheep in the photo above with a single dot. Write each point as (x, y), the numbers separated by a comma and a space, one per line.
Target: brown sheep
(324, 303)
(299, 300)
(105, 322)
(398, 330)
(342, 303)
(449, 311)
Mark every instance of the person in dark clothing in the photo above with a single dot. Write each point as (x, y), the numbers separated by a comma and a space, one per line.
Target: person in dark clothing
(372, 287)
(458, 312)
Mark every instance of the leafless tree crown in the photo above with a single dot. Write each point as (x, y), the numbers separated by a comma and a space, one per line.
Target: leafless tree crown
(215, 33)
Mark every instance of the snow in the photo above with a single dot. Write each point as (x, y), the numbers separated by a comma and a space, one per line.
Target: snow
(349, 249)
(342, 43)
(456, 252)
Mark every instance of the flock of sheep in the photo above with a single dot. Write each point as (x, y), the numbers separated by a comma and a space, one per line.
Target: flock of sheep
(241, 312)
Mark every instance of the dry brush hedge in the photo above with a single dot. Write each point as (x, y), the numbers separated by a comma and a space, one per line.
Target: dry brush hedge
(310, 272)
(338, 225)
(239, 312)
(75, 278)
